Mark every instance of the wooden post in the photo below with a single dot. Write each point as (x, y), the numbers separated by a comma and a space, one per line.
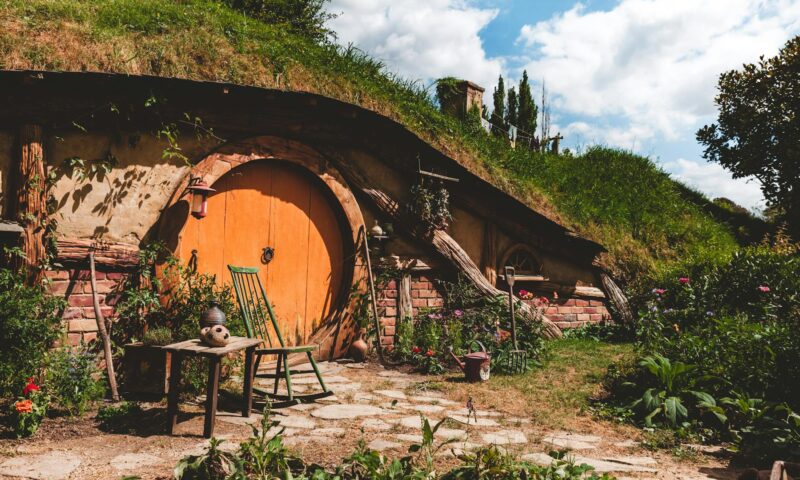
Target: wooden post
(405, 309)
(103, 331)
(31, 199)
(618, 299)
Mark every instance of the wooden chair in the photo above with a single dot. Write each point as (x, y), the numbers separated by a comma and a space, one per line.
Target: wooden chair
(253, 302)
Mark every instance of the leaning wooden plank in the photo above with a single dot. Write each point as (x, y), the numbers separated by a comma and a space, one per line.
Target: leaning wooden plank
(444, 245)
(106, 254)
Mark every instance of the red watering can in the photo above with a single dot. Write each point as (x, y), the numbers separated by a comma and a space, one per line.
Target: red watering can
(475, 365)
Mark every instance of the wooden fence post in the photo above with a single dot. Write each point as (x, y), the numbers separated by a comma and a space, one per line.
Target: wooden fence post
(30, 208)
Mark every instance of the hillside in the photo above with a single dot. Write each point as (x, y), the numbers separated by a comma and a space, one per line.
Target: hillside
(623, 201)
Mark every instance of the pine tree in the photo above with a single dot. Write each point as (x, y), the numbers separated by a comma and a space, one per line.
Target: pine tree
(528, 111)
(512, 108)
(498, 114)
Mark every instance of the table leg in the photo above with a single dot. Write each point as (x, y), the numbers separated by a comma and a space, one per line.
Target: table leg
(212, 396)
(247, 391)
(172, 396)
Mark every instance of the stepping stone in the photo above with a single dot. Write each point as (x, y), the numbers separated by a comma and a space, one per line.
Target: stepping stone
(434, 400)
(396, 394)
(516, 421)
(504, 437)
(457, 449)
(448, 433)
(381, 445)
(481, 413)
(133, 461)
(301, 407)
(238, 419)
(346, 411)
(422, 408)
(627, 444)
(604, 466)
(375, 424)
(312, 380)
(328, 432)
(414, 422)
(356, 366)
(393, 374)
(296, 421)
(49, 466)
(573, 441)
(345, 387)
(481, 422)
(364, 397)
(538, 458)
(407, 437)
(331, 399)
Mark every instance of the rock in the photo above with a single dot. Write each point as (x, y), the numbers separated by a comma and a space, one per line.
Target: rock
(450, 433)
(301, 407)
(375, 424)
(328, 432)
(133, 461)
(345, 387)
(356, 366)
(396, 394)
(573, 441)
(504, 437)
(331, 399)
(415, 422)
(422, 408)
(538, 458)
(481, 422)
(407, 437)
(49, 466)
(364, 397)
(380, 445)
(296, 421)
(346, 411)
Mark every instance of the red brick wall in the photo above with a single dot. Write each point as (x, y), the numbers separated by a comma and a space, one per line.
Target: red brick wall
(576, 312)
(76, 287)
(387, 309)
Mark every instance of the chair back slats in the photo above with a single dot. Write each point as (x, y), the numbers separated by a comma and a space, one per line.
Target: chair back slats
(253, 303)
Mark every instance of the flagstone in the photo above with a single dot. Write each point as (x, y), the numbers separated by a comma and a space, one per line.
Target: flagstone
(396, 394)
(346, 411)
(375, 424)
(48, 466)
(381, 445)
(133, 461)
(504, 437)
(573, 441)
(296, 421)
(480, 422)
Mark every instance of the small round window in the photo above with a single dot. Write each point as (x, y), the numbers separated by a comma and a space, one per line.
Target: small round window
(523, 261)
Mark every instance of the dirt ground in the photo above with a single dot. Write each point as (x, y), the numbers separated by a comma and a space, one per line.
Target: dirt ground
(387, 405)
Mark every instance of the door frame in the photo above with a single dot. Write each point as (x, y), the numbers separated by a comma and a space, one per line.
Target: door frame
(334, 335)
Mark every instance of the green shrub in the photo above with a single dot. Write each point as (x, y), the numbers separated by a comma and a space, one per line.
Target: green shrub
(29, 324)
(73, 379)
(158, 336)
(121, 418)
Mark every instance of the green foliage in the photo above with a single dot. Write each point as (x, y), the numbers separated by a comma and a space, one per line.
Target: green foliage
(29, 324)
(758, 127)
(513, 107)
(214, 464)
(430, 205)
(120, 418)
(303, 17)
(73, 379)
(764, 431)
(28, 412)
(498, 117)
(158, 336)
(527, 110)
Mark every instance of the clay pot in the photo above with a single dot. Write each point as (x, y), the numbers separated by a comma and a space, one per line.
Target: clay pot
(212, 316)
(359, 348)
(216, 336)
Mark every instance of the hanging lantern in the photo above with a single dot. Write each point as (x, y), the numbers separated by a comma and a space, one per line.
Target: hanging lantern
(199, 190)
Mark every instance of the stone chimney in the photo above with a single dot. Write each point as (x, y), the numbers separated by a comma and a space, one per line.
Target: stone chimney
(467, 95)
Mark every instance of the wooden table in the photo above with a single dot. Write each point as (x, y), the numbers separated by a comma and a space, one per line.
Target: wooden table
(214, 355)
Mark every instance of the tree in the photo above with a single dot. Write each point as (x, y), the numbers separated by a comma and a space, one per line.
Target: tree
(304, 17)
(758, 129)
(498, 119)
(512, 108)
(527, 112)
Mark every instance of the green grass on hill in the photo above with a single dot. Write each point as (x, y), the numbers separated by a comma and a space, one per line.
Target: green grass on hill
(616, 198)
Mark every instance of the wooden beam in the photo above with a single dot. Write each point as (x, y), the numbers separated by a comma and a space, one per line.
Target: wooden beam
(443, 244)
(405, 309)
(110, 255)
(618, 298)
(31, 200)
(490, 253)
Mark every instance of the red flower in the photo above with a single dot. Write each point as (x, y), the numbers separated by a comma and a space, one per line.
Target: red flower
(660, 291)
(429, 353)
(30, 387)
(763, 289)
(684, 280)
(416, 350)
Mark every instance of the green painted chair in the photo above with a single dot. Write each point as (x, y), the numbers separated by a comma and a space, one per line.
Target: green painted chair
(253, 302)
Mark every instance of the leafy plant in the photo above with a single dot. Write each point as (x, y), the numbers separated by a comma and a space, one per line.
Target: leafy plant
(119, 418)
(214, 464)
(430, 205)
(158, 336)
(29, 324)
(72, 378)
(29, 410)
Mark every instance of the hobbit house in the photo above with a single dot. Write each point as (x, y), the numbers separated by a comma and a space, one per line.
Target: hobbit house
(299, 183)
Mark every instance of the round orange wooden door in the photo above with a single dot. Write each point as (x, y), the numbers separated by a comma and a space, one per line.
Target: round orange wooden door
(273, 204)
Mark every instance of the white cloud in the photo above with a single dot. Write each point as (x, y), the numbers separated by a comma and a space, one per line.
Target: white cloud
(715, 181)
(651, 64)
(420, 39)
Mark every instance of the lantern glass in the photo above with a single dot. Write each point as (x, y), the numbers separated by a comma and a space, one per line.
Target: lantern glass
(199, 204)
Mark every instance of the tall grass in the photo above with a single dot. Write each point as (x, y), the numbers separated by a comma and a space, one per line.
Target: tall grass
(616, 198)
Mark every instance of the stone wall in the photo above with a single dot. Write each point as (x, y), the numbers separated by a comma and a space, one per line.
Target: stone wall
(76, 287)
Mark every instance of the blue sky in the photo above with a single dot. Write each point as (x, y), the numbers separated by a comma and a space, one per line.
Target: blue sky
(635, 74)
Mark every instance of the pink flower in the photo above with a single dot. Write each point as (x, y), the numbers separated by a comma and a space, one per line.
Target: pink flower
(763, 288)
(458, 313)
(684, 280)
(660, 291)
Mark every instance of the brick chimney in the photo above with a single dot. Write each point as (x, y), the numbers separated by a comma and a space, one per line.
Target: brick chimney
(468, 95)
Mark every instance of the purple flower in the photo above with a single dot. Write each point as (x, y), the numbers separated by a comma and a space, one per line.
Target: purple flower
(763, 288)
(434, 316)
(710, 313)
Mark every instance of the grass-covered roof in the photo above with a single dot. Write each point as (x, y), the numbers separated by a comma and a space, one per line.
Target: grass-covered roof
(618, 199)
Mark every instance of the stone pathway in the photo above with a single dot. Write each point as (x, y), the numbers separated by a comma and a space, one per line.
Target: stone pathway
(381, 407)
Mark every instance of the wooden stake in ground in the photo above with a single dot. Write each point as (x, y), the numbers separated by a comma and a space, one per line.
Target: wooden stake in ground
(101, 328)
